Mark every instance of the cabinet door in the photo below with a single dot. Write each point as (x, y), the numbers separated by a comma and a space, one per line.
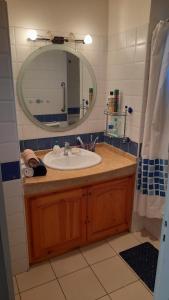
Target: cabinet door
(109, 208)
(57, 223)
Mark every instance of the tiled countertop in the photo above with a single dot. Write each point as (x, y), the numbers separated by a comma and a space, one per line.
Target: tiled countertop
(115, 164)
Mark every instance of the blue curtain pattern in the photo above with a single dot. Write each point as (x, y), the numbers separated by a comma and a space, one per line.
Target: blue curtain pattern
(153, 177)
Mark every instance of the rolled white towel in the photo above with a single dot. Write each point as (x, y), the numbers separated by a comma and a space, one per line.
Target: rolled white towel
(26, 171)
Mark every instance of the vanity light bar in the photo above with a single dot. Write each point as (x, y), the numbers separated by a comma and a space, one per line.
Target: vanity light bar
(33, 36)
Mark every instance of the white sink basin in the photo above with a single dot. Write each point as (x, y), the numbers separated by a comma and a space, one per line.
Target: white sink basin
(81, 160)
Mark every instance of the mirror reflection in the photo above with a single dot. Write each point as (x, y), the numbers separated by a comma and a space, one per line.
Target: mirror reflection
(56, 89)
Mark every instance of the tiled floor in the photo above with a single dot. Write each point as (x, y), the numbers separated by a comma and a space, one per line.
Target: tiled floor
(93, 272)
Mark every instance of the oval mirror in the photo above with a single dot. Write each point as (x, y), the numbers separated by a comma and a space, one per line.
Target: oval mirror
(56, 88)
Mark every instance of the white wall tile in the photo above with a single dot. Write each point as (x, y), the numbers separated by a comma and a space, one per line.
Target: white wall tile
(7, 111)
(5, 66)
(20, 132)
(97, 114)
(8, 132)
(95, 54)
(140, 53)
(4, 40)
(19, 252)
(22, 52)
(13, 188)
(6, 88)
(9, 152)
(3, 16)
(131, 37)
(20, 266)
(14, 205)
(129, 71)
(9, 146)
(15, 70)
(123, 56)
(21, 36)
(134, 101)
(12, 35)
(126, 71)
(16, 221)
(13, 53)
(117, 41)
(17, 236)
(142, 34)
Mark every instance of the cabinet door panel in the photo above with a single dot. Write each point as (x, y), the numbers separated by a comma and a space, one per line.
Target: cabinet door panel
(57, 223)
(109, 208)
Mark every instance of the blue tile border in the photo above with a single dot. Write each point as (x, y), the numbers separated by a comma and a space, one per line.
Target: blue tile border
(10, 170)
(152, 176)
(130, 147)
(47, 143)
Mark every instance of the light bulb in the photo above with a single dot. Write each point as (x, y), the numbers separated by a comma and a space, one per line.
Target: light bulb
(88, 39)
(32, 35)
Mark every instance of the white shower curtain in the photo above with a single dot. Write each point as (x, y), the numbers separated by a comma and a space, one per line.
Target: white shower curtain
(153, 165)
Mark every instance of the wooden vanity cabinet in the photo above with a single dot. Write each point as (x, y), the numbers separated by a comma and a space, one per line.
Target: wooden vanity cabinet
(109, 208)
(56, 223)
(62, 221)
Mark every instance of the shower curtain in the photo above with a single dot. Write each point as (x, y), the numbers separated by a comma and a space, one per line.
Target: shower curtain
(153, 164)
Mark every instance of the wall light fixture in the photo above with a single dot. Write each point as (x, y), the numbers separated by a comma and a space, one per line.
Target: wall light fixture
(32, 35)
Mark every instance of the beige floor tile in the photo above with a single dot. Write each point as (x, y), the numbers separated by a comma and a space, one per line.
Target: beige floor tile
(17, 297)
(37, 275)
(97, 252)
(132, 292)
(82, 285)
(68, 263)
(16, 291)
(113, 273)
(144, 236)
(50, 291)
(156, 244)
(123, 241)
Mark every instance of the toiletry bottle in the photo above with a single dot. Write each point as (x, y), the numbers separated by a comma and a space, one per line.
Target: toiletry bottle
(111, 103)
(116, 101)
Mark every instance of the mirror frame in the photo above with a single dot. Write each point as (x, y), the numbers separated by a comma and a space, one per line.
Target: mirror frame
(20, 77)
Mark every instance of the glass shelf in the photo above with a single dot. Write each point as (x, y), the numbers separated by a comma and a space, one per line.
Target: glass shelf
(116, 123)
(115, 114)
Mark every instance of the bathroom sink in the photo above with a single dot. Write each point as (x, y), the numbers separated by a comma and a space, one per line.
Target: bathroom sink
(80, 160)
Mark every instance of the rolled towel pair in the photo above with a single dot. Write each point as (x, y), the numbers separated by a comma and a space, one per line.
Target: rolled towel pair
(33, 162)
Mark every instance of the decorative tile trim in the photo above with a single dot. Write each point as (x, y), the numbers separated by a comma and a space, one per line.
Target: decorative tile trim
(48, 143)
(51, 118)
(10, 171)
(130, 147)
(152, 177)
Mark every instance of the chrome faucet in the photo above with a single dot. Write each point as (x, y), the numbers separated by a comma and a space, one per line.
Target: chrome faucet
(66, 148)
